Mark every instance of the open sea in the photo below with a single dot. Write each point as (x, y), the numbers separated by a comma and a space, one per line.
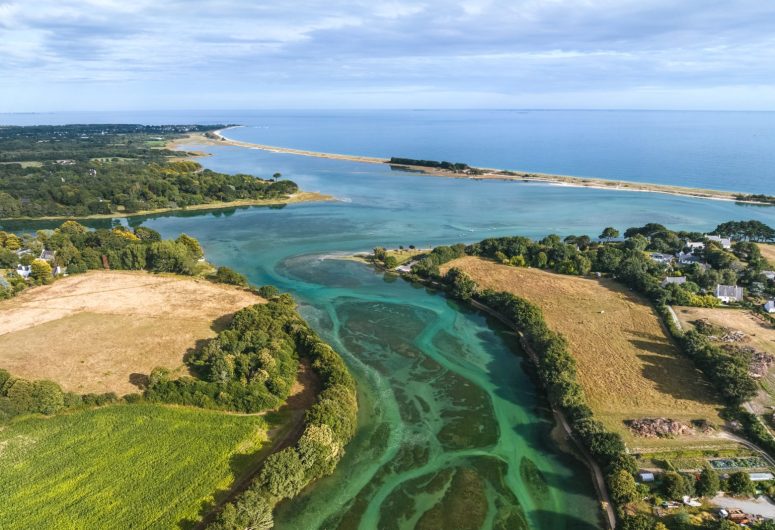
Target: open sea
(719, 150)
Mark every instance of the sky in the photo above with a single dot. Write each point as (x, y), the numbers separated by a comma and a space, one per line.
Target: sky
(247, 54)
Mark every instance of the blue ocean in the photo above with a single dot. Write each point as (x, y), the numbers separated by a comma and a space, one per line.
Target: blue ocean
(718, 150)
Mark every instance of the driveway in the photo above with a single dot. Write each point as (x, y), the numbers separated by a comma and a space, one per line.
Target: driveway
(759, 506)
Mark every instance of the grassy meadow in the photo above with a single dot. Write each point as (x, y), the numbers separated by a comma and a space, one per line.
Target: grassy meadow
(627, 365)
(124, 466)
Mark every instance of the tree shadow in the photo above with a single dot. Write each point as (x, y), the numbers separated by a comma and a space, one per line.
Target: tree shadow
(196, 348)
(222, 322)
(673, 376)
(139, 380)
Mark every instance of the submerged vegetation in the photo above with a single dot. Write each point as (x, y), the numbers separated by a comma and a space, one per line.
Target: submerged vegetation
(84, 170)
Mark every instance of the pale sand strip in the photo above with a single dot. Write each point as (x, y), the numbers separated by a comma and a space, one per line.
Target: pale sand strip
(487, 173)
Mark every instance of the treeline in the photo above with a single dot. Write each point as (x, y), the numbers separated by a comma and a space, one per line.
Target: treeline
(457, 167)
(20, 396)
(329, 425)
(746, 230)
(43, 143)
(96, 187)
(78, 249)
(756, 197)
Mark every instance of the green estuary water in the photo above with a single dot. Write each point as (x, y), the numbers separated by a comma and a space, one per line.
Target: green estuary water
(453, 434)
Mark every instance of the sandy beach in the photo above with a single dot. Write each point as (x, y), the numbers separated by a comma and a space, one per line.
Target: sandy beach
(482, 173)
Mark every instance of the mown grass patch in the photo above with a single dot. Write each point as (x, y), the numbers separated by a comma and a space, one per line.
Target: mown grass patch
(124, 466)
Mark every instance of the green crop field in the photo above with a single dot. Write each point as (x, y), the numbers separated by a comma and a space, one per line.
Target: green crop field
(124, 466)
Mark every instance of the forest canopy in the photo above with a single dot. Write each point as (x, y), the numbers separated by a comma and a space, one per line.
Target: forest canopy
(87, 170)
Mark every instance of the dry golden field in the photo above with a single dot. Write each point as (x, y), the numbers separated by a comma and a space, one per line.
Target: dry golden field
(761, 335)
(768, 251)
(92, 332)
(627, 365)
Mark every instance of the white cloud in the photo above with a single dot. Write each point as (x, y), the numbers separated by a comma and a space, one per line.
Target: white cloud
(355, 46)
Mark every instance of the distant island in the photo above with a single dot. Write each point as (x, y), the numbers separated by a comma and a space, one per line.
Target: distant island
(463, 170)
(118, 171)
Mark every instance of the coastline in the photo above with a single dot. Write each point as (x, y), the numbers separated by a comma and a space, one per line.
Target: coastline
(302, 196)
(486, 173)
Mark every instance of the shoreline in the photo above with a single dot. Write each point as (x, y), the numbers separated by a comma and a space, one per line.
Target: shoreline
(302, 196)
(487, 173)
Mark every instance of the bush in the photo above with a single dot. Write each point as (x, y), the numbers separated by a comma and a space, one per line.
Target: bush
(230, 277)
(268, 291)
(739, 483)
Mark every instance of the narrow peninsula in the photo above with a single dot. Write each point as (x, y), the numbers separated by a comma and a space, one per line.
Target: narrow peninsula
(459, 170)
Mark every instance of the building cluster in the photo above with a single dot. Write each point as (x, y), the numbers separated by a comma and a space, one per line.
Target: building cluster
(26, 270)
(691, 254)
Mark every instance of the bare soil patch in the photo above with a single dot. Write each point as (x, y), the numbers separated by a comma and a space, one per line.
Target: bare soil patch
(627, 365)
(106, 330)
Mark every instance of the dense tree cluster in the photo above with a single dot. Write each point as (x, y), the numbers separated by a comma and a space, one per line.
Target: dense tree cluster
(80, 170)
(457, 167)
(728, 373)
(97, 187)
(330, 424)
(79, 249)
(84, 142)
(429, 264)
(248, 367)
(745, 230)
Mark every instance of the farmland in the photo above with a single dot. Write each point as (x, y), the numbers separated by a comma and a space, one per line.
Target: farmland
(768, 252)
(124, 466)
(627, 366)
(757, 334)
(96, 332)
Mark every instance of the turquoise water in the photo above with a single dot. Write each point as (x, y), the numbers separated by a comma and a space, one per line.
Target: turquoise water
(452, 433)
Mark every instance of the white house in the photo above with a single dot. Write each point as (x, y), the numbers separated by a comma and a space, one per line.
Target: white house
(695, 245)
(646, 476)
(677, 280)
(770, 275)
(729, 293)
(687, 258)
(662, 258)
(24, 271)
(770, 306)
(723, 241)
